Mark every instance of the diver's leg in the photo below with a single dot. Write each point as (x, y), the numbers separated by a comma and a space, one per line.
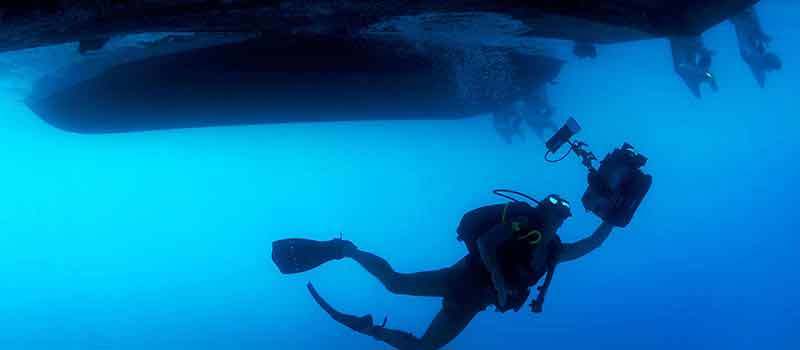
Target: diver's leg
(448, 324)
(428, 283)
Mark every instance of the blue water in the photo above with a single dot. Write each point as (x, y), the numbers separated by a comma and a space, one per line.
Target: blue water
(160, 240)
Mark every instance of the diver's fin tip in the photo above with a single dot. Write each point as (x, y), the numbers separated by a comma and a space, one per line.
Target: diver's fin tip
(297, 255)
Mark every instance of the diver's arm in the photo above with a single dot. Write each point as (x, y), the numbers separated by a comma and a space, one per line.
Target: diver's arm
(572, 251)
(487, 247)
(489, 242)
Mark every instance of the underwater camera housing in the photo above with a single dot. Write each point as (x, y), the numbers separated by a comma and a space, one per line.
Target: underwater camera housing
(617, 187)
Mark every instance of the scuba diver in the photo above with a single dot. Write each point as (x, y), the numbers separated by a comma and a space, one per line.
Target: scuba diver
(508, 122)
(539, 112)
(753, 44)
(692, 62)
(535, 110)
(510, 248)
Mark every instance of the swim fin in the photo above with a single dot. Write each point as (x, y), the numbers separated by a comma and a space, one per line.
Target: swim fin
(297, 255)
(364, 325)
(361, 324)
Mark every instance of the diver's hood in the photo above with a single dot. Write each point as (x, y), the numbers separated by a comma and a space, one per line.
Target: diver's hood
(554, 210)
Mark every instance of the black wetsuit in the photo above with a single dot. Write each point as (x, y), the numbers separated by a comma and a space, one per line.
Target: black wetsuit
(465, 287)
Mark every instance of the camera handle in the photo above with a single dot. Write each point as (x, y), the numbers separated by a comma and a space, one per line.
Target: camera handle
(580, 149)
(587, 157)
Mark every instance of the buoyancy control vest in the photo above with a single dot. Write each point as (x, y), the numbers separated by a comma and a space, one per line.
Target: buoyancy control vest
(530, 242)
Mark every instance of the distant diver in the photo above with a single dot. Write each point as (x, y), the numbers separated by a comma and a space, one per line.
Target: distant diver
(535, 110)
(511, 247)
(753, 43)
(508, 122)
(539, 112)
(692, 62)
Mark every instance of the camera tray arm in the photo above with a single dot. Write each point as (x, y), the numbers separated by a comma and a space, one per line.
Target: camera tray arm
(587, 157)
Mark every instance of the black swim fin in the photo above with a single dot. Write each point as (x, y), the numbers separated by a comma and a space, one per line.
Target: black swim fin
(361, 324)
(364, 325)
(297, 255)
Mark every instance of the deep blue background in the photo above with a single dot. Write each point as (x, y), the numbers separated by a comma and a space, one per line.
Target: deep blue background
(161, 240)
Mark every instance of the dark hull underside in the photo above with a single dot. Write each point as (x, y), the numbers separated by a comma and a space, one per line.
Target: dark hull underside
(26, 24)
(296, 79)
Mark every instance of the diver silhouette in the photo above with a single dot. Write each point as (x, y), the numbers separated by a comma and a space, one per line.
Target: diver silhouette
(534, 109)
(692, 61)
(753, 43)
(511, 247)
